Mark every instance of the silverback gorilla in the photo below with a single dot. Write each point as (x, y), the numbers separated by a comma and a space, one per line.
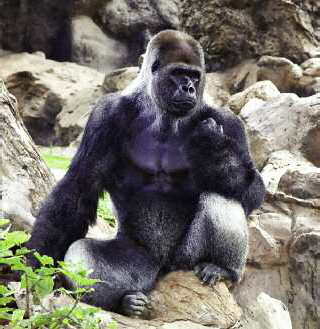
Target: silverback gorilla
(179, 174)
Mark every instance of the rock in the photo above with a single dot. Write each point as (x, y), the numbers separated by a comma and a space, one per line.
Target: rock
(213, 306)
(26, 179)
(181, 296)
(44, 89)
(119, 79)
(281, 71)
(302, 183)
(179, 301)
(216, 92)
(264, 90)
(311, 67)
(286, 122)
(91, 47)
(313, 87)
(291, 174)
(304, 272)
(310, 81)
(127, 18)
(37, 26)
(282, 28)
(293, 188)
(273, 281)
(284, 238)
(137, 20)
(263, 248)
(266, 313)
(242, 76)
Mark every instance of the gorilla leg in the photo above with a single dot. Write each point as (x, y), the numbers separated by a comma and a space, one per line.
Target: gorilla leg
(127, 272)
(217, 240)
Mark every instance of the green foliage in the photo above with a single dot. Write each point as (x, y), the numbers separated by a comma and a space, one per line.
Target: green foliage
(105, 210)
(56, 161)
(39, 283)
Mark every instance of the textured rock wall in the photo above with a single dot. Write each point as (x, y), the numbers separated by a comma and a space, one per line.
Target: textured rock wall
(231, 31)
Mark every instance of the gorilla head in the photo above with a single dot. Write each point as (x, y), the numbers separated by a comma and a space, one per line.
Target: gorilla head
(174, 65)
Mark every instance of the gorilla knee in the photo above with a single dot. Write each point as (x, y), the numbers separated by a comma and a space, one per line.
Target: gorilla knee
(79, 252)
(227, 213)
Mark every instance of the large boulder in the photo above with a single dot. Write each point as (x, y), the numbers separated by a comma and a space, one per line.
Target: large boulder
(310, 80)
(268, 313)
(91, 47)
(263, 90)
(127, 18)
(26, 179)
(135, 21)
(281, 71)
(54, 98)
(180, 295)
(231, 31)
(190, 306)
(285, 122)
(119, 79)
(283, 259)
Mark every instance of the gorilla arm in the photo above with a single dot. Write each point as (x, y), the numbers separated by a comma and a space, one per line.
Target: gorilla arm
(71, 206)
(221, 162)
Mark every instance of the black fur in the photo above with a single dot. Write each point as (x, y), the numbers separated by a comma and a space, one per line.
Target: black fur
(181, 180)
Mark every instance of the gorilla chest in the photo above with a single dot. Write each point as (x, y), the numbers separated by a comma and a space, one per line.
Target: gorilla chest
(163, 163)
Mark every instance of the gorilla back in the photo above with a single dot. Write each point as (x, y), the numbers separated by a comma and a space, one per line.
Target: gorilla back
(179, 174)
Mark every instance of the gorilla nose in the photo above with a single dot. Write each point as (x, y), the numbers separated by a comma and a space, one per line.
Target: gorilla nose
(188, 89)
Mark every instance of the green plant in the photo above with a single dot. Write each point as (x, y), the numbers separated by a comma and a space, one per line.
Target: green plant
(56, 161)
(104, 210)
(39, 283)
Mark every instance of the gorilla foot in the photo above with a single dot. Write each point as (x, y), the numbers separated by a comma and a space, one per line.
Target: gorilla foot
(134, 304)
(210, 273)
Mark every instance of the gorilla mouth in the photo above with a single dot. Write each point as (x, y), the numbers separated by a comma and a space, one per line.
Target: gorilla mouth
(184, 105)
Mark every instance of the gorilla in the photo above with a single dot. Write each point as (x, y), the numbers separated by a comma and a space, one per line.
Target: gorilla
(179, 174)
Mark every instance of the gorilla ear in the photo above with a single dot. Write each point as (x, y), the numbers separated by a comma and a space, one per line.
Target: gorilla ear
(155, 66)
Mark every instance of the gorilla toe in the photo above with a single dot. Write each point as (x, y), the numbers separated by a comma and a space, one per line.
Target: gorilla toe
(210, 273)
(134, 304)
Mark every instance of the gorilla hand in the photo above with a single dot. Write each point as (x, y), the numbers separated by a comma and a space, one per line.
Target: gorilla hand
(208, 132)
(209, 127)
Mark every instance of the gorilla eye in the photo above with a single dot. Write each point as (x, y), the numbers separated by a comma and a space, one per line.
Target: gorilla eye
(155, 65)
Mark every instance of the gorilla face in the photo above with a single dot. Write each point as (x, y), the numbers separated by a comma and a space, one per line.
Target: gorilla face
(178, 88)
(177, 72)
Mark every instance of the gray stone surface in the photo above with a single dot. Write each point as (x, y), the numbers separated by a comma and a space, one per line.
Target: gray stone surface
(91, 47)
(25, 178)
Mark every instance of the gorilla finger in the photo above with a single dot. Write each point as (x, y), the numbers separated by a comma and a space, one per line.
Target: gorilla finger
(210, 121)
(137, 308)
(213, 280)
(134, 313)
(128, 297)
(206, 277)
(138, 302)
(142, 297)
